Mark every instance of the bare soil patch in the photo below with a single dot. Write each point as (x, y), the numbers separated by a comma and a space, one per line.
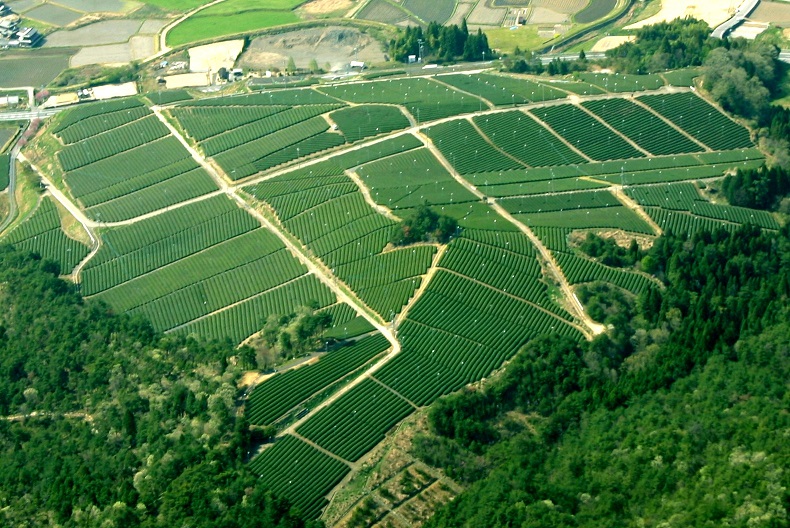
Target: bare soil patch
(106, 54)
(318, 8)
(542, 15)
(777, 13)
(461, 12)
(607, 43)
(561, 6)
(334, 45)
(100, 33)
(215, 56)
(484, 15)
(100, 6)
(152, 27)
(714, 12)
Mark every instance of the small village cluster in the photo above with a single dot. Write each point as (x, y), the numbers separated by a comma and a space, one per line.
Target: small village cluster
(13, 35)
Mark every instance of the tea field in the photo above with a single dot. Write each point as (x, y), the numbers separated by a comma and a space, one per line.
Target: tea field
(212, 215)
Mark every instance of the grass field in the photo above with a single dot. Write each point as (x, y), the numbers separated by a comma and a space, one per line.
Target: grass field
(507, 40)
(209, 24)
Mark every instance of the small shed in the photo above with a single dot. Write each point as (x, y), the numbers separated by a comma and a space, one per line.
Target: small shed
(9, 100)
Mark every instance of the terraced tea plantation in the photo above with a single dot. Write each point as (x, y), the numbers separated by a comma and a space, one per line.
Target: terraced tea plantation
(213, 215)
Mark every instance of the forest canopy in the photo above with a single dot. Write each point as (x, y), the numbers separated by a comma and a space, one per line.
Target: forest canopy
(108, 423)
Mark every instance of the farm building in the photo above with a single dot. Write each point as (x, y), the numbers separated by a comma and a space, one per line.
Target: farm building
(8, 26)
(29, 37)
(9, 100)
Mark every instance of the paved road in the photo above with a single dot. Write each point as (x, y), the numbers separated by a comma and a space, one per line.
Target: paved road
(41, 113)
(741, 14)
(591, 55)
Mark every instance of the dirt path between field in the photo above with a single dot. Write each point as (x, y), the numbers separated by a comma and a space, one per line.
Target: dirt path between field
(494, 146)
(163, 48)
(393, 391)
(592, 328)
(671, 124)
(365, 190)
(627, 201)
(87, 224)
(426, 280)
(221, 182)
(324, 451)
(489, 104)
(614, 130)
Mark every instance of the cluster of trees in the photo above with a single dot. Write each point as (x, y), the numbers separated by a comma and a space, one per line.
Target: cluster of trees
(424, 225)
(609, 252)
(742, 77)
(685, 397)
(667, 45)
(107, 423)
(440, 43)
(287, 336)
(761, 188)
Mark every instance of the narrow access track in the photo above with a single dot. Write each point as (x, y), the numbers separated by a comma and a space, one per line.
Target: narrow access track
(12, 205)
(592, 328)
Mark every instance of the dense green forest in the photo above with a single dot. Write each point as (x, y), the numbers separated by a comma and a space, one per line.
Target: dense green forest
(678, 418)
(106, 423)
(440, 43)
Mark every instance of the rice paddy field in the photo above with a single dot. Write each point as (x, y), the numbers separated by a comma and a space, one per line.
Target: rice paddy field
(294, 196)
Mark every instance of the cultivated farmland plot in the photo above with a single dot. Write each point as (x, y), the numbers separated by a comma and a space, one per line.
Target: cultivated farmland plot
(305, 479)
(585, 133)
(685, 197)
(434, 11)
(362, 121)
(645, 129)
(700, 119)
(276, 396)
(425, 99)
(121, 161)
(42, 234)
(519, 135)
(4, 168)
(501, 90)
(468, 151)
(209, 268)
(622, 82)
(331, 217)
(411, 179)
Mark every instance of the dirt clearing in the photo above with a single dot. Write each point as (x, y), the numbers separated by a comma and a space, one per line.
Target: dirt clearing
(607, 43)
(318, 8)
(333, 45)
(215, 56)
(777, 13)
(714, 12)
